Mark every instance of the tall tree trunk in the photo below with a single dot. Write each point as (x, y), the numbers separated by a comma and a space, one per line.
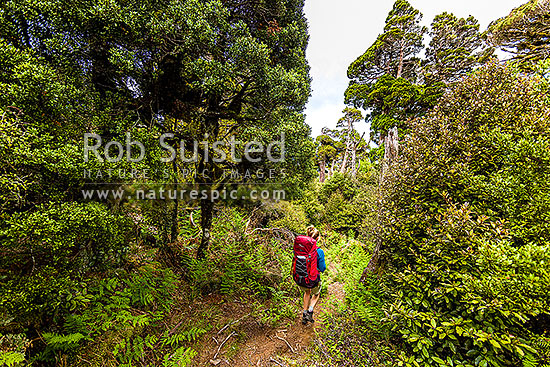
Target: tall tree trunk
(344, 162)
(374, 262)
(353, 162)
(175, 227)
(322, 167)
(401, 57)
(210, 127)
(207, 211)
(348, 146)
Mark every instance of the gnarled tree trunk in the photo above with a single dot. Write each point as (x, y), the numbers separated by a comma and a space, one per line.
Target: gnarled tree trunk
(206, 168)
(322, 167)
(391, 151)
(207, 211)
(354, 160)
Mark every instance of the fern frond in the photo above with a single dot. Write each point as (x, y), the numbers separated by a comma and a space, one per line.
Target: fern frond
(180, 358)
(11, 359)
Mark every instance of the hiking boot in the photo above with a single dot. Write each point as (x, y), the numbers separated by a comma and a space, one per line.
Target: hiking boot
(305, 317)
(310, 317)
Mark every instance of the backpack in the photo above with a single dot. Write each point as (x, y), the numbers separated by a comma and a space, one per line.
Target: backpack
(304, 263)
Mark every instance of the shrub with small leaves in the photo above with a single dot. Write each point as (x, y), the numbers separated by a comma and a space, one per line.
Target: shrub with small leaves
(465, 225)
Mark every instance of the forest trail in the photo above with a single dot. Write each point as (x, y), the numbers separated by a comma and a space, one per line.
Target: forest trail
(264, 346)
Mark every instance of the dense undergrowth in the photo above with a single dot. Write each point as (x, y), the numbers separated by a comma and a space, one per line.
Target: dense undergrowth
(354, 334)
(148, 310)
(464, 275)
(155, 305)
(463, 218)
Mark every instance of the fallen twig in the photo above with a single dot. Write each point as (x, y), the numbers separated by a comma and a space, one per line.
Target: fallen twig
(85, 360)
(249, 219)
(287, 343)
(191, 219)
(277, 362)
(232, 323)
(221, 345)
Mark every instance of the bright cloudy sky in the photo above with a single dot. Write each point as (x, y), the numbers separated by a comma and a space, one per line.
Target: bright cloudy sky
(342, 30)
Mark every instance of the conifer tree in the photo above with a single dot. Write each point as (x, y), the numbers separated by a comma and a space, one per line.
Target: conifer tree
(382, 79)
(525, 32)
(456, 48)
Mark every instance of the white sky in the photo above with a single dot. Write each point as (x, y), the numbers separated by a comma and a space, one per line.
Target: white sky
(342, 30)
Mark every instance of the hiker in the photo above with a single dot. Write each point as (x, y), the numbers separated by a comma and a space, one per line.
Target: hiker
(307, 266)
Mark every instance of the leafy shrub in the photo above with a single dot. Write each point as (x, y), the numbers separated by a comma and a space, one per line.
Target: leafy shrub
(348, 202)
(341, 183)
(43, 247)
(117, 316)
(12, 347)
(465, 224)
(290, 216)
(310, 203)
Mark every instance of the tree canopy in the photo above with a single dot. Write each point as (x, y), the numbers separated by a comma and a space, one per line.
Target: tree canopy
(456, 48)
(524, 32)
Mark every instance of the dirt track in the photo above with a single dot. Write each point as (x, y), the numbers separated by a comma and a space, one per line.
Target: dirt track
(264, 346)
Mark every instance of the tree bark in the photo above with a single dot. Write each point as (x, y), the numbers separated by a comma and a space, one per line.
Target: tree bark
(212, 127)
(207, 211)
(353, 160)
(174, 231)
(344, 161)
(401, 56)
(374, 262)
(322, 167)
(175, 227)
(348, 146)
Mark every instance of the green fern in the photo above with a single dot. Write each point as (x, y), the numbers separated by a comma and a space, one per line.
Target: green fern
(11, 359)
(138, 346)
(129, 350)
(180, 358)
(542, 346)
(125, 317)
(62, 342)
(151, 341)
(186, 336)
(530, 361)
